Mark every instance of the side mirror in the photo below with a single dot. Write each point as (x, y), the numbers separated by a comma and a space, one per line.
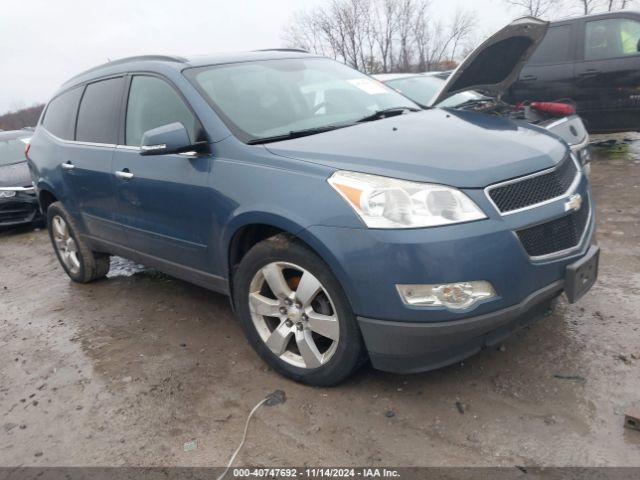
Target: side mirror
(168, 139)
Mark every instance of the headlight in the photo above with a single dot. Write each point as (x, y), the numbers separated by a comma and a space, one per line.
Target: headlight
(384, 202)
(454, 296)
(7, 193)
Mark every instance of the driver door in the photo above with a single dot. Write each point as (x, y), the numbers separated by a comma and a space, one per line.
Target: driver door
(165, 204)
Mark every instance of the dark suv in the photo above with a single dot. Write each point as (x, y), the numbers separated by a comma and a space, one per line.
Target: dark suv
(593, 60)
(18, 202)
(345, 222)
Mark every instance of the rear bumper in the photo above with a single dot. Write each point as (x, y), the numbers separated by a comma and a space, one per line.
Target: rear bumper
(18, 210)
(409, 347)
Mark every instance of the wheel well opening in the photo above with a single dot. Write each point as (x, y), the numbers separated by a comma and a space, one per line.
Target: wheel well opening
(245, 239)
(46, 198)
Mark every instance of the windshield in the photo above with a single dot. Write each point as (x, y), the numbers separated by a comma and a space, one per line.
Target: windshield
(271, 98)
(421, 90)
(12, 151)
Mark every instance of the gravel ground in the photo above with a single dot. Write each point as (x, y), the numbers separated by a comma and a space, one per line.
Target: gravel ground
(125, 371)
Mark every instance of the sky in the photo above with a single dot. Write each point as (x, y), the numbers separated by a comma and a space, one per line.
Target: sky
(45, 42)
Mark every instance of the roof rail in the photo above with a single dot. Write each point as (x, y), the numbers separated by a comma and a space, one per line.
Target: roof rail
(137, 58)
(297, 50)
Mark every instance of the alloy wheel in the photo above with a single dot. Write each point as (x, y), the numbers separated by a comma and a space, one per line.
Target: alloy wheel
(294, 315)
(65, 244)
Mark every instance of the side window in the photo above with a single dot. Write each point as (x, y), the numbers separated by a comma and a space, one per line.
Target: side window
(97, 117)
(615, 37)
(153, 103)
(554, 48)
(60, 116)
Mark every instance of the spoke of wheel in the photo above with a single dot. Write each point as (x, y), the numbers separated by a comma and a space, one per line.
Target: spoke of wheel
(261, 305)
(308, 288)
(279, 339)
(308, 349)
(325, 325)
(274, 278)
(71, 245)
(59, 227)
(75, 263)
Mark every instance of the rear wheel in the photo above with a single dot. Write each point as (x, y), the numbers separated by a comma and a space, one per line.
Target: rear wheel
(81, 264)
(295, 313)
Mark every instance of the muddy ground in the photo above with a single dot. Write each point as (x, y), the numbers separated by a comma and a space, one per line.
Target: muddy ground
(125, 371)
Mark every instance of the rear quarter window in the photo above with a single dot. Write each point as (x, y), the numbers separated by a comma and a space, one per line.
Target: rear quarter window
(60, 116)
(97, 117)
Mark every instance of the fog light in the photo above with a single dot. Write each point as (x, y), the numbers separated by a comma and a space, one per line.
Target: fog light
(455, 296)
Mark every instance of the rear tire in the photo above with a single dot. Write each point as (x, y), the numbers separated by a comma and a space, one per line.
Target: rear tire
(78, 261)
(295, 313)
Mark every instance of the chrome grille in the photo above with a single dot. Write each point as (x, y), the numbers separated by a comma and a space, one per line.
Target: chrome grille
(534, 189)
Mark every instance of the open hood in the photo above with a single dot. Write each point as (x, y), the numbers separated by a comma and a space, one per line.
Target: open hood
(496, 63)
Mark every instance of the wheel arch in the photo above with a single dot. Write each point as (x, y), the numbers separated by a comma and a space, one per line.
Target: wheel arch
(243, 235)
(46, 197)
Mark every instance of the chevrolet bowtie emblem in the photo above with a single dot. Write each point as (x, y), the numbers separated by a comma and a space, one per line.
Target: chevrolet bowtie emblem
(573, 203)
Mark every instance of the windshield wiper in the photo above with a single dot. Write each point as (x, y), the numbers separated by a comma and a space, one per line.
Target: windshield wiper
(387, 112)
(295, 134)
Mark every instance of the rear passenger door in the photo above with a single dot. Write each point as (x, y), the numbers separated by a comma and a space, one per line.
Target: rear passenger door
(548, 75)
(164, 202)
(608, 75)
(88, 160)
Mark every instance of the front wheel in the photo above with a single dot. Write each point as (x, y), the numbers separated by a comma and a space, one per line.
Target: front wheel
(295, 314)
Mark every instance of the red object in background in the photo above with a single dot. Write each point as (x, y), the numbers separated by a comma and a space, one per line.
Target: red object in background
(553, 108)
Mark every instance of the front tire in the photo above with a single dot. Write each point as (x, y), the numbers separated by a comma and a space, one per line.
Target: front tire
(295, 313)
(78, 261)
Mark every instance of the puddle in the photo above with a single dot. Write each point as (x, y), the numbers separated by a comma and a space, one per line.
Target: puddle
(121, 267)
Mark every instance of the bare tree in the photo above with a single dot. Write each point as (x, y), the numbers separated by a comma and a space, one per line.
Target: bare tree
(589, 6)
(535, 8)
(304, 32)
(461, 27)
(380, 35)
(384, 29)
(618, 4)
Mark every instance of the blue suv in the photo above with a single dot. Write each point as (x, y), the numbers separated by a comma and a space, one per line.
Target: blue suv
(345, 223)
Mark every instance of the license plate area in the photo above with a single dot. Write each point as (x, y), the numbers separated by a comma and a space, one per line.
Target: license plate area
(581, 275)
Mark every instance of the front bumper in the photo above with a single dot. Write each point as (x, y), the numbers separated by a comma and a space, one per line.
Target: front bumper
(403, 347)
(411, 347)
(370, 263)
(19, 210)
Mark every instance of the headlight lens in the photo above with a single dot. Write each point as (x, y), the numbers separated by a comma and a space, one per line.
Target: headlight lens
(384, 202)
(7, 193)
(454, 296)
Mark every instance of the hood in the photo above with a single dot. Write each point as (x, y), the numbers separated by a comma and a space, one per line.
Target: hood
(15, 175)
(496, 63)
(458, 148)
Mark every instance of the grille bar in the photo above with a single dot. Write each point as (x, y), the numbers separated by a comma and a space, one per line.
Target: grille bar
(558, 235)
(534, 189)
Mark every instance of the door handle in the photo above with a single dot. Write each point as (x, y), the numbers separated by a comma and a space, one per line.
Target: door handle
(589, 73)
(124, 174)
(68, 166)
(529, 78)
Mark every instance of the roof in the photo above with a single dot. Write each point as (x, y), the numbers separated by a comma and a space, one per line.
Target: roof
(181, 63)
(597, 16)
